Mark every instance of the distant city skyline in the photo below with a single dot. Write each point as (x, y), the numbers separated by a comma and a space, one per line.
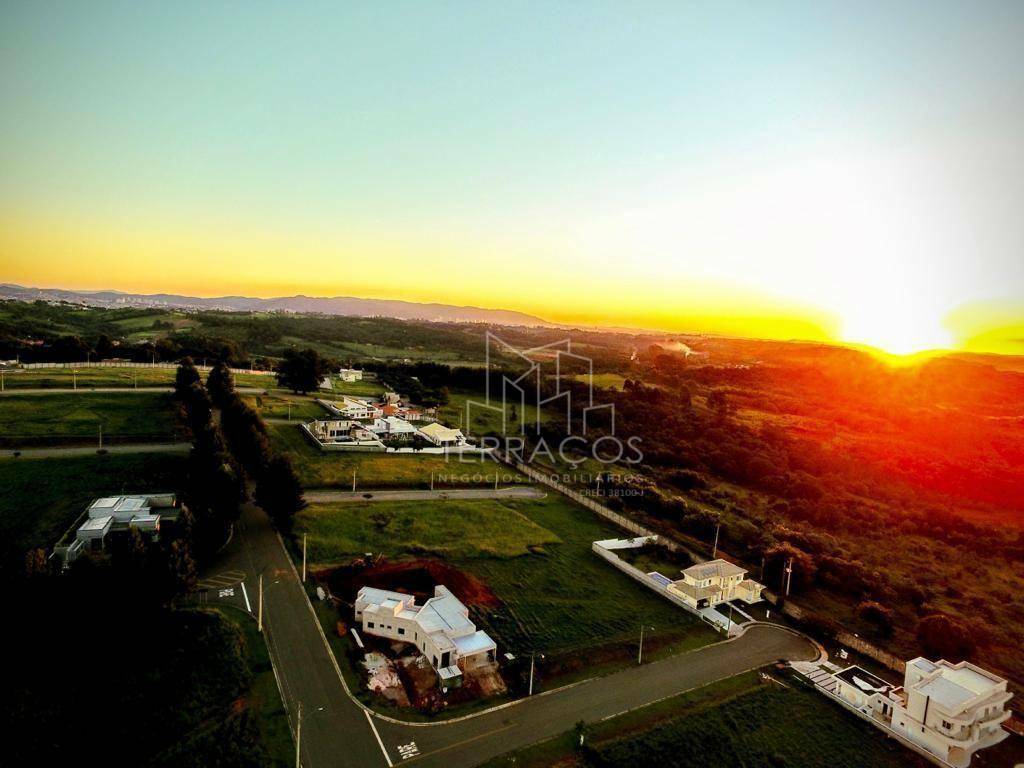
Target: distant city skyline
(798, 170)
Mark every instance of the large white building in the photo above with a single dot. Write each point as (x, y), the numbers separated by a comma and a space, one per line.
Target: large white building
(707, 584)
(949, 710)
(350, 374)
(440, 629)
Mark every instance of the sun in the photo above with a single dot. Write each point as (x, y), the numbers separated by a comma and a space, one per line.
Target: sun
(896, 330)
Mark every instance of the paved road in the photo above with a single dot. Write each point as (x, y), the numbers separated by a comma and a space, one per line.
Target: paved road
(514, 492)
(90, 450)
(83, 388)
(337, 731)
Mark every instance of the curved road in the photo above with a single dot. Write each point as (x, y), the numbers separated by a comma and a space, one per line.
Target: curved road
(338, 731)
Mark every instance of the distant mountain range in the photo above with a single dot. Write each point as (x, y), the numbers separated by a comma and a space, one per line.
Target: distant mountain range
(333, 305)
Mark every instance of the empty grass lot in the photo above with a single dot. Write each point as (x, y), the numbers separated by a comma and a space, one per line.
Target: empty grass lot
(333, 469)
(554, 597)
(43, 419)
(485, 420)
(740, 721)
(41, 498)
(279, 405)
(447, 529)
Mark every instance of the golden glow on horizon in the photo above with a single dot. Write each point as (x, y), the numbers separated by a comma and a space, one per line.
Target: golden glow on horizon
(222, 262)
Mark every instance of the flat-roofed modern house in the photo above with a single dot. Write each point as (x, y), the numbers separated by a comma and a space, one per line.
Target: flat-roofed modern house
(943, 709)
(111, 514)
(952, 710)
(392, 428)
(438, 434)
(440, 629)
(351, 408)
(717, 581)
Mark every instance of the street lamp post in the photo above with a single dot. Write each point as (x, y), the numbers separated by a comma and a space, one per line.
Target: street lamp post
(640, 652)
(533, 657)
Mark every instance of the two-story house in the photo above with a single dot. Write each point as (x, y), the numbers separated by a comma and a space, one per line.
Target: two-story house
(717, 581)
(440, 629)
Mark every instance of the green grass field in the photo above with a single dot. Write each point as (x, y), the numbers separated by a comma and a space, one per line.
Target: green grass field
(279, 405)
(324, 469)
(446, 529)
(40, 419)
(555, 597)
(85, 378)
(41, 498)
(364, 388)
(740, 721)
(484, 421)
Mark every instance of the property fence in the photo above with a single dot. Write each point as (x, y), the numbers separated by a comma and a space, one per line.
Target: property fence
(851, 641)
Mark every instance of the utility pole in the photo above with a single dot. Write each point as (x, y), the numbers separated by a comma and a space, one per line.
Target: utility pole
(289, 410)
(714, 549)
(298, 737)
(259, 607)
(74, 379)
(101, 437)
(303, 558)
(431, 481)
(789, 574)
(353, 481)
(640, 652)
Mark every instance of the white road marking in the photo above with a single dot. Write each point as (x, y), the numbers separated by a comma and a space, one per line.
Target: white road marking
(374, 729)
(408, 750)
(248, 605)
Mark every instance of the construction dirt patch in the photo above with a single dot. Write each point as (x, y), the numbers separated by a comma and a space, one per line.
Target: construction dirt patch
(413, 577)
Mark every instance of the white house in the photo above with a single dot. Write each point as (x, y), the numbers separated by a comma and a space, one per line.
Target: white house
(949, 710)
(119, 513)
(716, 581)
(952, 710)
(352, 408)
(438, 434)
(350, 374)
(392, 428)
(440, 629)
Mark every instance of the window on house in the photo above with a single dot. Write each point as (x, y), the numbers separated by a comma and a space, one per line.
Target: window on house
(369, 625)
(947, 725)
(401, 631)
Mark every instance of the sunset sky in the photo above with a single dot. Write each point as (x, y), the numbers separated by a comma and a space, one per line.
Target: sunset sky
(846, 171)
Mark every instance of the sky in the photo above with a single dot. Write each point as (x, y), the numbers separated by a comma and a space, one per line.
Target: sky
(837, 171)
